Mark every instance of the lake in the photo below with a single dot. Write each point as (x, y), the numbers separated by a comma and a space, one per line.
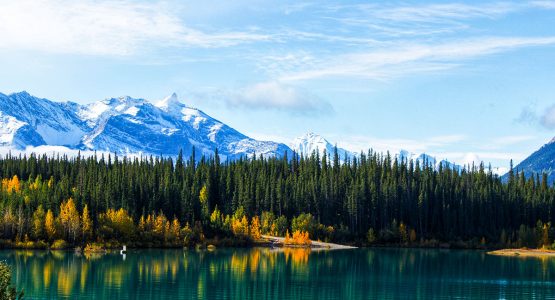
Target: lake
(262, 273)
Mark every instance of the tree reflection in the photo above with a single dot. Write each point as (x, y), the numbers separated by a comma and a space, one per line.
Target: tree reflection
(278, 274)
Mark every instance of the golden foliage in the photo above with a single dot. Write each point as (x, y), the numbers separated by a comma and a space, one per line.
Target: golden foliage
(38, 222)
(299, 238)
(240, 227)
(49, 225)
(255, 228)
(69, 219)
(203, 198)
(11, 185)
(217, 219)
(86, 222)
(116, 224)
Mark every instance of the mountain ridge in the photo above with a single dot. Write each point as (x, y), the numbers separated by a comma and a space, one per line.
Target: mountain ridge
(123, 125)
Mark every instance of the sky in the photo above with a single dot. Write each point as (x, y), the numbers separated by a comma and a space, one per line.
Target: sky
(465, 81)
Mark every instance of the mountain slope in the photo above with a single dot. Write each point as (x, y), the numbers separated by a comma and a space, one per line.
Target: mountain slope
(123, 125)
(57, 123)
(539, 162)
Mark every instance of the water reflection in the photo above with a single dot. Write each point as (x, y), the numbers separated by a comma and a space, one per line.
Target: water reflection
(280, 274)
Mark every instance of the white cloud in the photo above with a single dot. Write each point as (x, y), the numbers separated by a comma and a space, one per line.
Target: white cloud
(547, 119)
(543, 4)
(434, 13)
(403, 59)
(275, 95)
(103, 27)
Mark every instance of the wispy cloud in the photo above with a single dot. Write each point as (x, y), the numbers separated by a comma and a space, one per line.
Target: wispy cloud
(527, 115)
(403, 59)
(403, 20)
(543, 4)
(277, 96)
(104, 27)
(436, 13)
(547, 118)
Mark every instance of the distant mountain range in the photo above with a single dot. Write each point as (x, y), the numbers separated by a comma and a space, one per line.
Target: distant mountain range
(130, 126)
(124, 126)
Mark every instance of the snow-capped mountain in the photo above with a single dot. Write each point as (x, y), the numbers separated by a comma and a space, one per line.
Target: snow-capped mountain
(539, 162)
(425, 159)
(311, 142)
(123, 125)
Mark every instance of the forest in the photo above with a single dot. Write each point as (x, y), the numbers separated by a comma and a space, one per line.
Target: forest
(373, 199)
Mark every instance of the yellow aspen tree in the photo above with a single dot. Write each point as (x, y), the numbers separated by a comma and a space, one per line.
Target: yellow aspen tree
(176, 230)
(86, 223)
(160, 225)
(38, 223)
(11, 185)
(255, 228)
(49, 225)
(69, 219)
(203, 198)
(287, 239)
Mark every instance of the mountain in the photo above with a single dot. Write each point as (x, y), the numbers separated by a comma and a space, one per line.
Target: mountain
(123, 125)
(539, 162)
(311, 142)
(425, 159)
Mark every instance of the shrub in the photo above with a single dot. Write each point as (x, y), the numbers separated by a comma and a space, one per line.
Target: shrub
(59, 245)
(94, 248)
(304, 223)
(299, 238)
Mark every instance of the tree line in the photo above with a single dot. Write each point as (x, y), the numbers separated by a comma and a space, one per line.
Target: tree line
(374, 198)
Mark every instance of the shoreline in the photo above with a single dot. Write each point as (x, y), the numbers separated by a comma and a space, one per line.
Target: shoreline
(274, 240)
(523, 252)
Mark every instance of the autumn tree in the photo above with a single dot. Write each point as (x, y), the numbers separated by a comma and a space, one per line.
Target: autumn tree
(254, 229)
(11, 185)
(116, 224)
(38, 223)
(69, 220)
(49, 225)
(240, 227)
(203, 199)
(87, 226)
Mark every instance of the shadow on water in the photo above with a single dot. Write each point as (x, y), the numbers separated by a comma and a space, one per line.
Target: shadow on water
(280, 274)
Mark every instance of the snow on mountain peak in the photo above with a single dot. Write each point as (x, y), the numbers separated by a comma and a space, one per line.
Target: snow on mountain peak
(169, 103)
(311, 142)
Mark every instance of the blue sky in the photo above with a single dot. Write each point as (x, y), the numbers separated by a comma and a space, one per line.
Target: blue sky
(466, 81)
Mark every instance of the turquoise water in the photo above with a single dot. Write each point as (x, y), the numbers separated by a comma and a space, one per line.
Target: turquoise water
(281, 274)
